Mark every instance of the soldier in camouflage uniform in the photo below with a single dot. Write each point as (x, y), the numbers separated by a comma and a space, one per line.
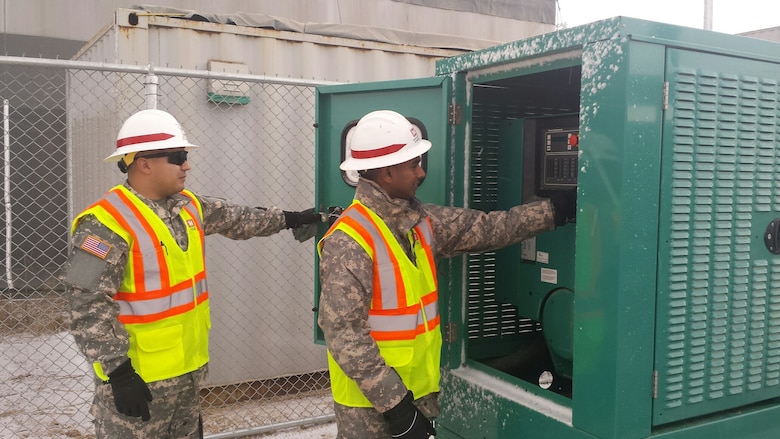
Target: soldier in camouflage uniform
(388, 158)
(151, 150)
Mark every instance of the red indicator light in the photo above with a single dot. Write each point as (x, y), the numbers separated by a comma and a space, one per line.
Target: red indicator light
(574, 140)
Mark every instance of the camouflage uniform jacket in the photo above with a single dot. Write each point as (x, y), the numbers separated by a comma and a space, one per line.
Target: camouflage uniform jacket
(346, 273)
(92, 282)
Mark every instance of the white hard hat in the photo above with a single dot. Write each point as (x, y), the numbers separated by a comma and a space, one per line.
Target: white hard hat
(148, 130)
(383, 138)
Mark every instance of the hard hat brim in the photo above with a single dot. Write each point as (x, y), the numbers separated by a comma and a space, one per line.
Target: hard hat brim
(404, 154)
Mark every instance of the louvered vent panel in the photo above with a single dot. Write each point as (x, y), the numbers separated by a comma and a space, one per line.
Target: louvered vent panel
(719, 324)
(488, 318)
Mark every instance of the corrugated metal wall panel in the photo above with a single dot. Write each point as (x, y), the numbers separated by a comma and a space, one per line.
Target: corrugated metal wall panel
(186, 44)
(322, 59)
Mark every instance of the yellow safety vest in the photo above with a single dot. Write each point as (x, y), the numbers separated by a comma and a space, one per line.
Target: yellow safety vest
(404, 312)
(163, 298)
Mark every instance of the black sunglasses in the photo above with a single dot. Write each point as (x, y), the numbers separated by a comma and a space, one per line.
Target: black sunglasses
(174, 157)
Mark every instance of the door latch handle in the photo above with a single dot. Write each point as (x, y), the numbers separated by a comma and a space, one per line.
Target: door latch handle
(772, 236)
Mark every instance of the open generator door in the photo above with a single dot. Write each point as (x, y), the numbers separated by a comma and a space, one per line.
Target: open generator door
(424, 102)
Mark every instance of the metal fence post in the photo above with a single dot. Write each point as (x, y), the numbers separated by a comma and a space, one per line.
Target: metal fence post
(7, 196)
(151, 84)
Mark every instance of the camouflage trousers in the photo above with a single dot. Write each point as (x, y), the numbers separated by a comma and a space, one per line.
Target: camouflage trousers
(367, 423)
(175, 411)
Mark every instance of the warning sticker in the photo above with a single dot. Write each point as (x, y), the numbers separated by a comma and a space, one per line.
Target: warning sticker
(549, 276)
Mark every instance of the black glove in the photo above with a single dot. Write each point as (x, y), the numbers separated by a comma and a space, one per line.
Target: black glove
(565, 206)
(131, 394)
(406, 421)
(296, 219)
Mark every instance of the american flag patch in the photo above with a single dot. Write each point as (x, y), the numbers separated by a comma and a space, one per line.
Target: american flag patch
(95, 246)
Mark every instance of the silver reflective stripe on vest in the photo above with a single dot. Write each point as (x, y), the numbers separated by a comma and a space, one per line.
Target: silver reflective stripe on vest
(195, 216)
(145, 242)
(382, 259)
(163, 304)
(403, 322)
(431, 312)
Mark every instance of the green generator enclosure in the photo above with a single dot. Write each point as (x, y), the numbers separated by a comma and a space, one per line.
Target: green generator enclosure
(657, 313)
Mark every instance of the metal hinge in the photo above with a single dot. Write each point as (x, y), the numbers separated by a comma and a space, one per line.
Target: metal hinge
(450, 332)
(655, 384)
(666, 95)
(455, 114)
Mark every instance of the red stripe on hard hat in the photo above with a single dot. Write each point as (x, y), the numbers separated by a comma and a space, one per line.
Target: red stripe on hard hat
(377, 152)
(143, 139)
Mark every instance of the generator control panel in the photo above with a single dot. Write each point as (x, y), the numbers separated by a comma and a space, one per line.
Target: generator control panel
(559, 159)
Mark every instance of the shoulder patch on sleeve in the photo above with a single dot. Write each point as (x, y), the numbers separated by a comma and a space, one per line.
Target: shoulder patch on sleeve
(96, 246)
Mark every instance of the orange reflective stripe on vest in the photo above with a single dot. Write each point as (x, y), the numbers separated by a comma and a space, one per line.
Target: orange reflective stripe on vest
(144, 241)
(154, 297)
(193, 211)
(404, 312)
(394, 326)
(163, 297)
(388, 293)
(389, 289)
(138, 308)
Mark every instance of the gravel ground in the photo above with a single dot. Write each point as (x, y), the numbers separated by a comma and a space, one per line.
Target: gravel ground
(273, 411)
(323, 431)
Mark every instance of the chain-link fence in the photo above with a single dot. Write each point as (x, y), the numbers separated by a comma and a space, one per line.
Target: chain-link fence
(60, 120)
